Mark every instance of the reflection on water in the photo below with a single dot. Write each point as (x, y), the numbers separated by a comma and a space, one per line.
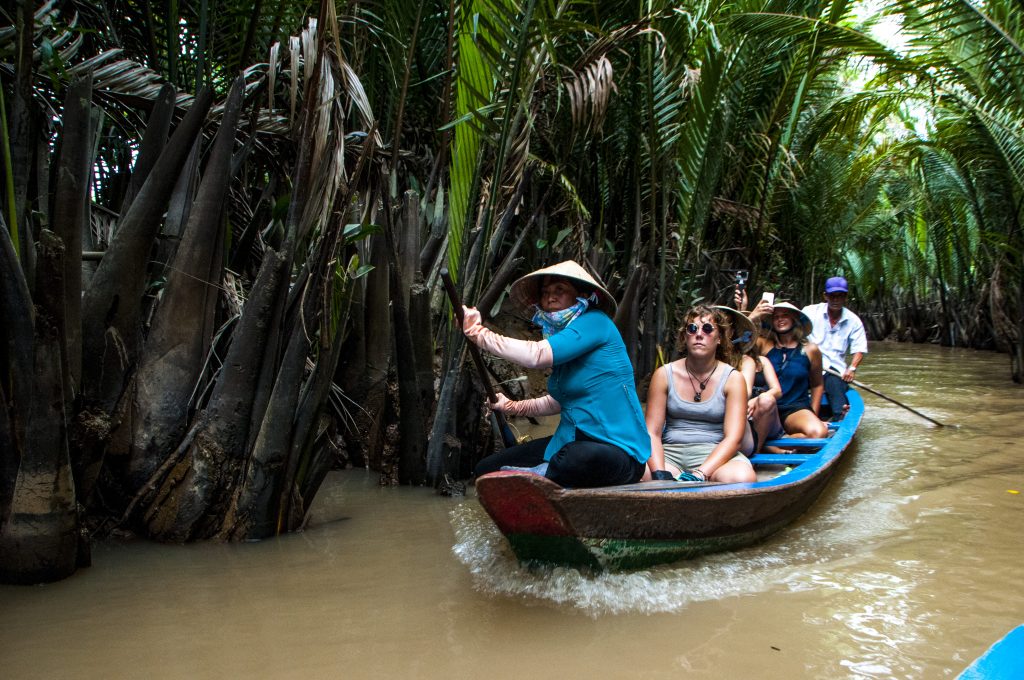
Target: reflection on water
(907, 567)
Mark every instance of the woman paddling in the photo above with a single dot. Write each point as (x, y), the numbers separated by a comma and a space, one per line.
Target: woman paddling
(600, 439)
(697, 405)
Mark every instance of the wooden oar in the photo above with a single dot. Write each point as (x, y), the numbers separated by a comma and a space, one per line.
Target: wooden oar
(507, 437)
(886, 397)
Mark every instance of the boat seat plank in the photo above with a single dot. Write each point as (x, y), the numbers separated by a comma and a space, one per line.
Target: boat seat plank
(780, 458)
(802, 442)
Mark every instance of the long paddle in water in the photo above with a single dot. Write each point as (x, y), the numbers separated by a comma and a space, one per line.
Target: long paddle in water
(886, 397)
(507, 437)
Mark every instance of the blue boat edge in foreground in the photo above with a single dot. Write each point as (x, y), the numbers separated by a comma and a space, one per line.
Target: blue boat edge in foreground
(642, 525)
(1002, 661)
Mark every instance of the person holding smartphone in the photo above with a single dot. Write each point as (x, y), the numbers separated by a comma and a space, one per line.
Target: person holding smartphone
(797, 362)
(762, 310)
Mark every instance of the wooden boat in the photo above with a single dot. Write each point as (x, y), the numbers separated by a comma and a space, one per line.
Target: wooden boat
(640, 525)
(1003, 661)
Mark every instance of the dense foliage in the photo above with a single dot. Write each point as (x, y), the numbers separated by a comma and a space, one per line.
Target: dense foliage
(223, 222)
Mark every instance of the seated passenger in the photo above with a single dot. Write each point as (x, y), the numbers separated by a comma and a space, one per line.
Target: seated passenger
(763, 392)
(797, 364)
(696, 405)
(763, 389)
(600, 439)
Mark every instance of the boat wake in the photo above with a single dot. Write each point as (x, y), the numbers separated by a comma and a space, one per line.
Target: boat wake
(481, 547)
(792, 560)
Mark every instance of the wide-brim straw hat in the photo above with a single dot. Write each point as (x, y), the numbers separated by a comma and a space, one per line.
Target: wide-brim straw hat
(742, 328)
(526, 290)
(805, 320)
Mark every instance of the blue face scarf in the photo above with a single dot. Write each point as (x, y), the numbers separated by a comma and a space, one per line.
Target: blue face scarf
(552, 322)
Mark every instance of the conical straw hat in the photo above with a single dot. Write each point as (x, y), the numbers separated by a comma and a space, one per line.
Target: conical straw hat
(804, 320)
(526, 290)
(743, 332)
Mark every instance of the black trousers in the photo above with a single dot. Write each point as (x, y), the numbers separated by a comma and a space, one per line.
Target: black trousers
(835, 390)
(581, 464)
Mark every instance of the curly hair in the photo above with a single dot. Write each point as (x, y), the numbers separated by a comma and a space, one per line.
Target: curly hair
(725, 350)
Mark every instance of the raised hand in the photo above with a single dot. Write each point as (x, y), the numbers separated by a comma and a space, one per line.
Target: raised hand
(740, 300)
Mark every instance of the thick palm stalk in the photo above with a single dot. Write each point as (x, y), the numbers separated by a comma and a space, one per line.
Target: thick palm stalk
(153, 141)
(111, 305)
(412, 459)
(18, 386)
(263, 486)
(70, 213)
(310, 466)
(157, 402)
(195, 495)
(39, 537)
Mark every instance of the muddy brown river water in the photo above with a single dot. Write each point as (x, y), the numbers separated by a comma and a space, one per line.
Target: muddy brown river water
(909, 566)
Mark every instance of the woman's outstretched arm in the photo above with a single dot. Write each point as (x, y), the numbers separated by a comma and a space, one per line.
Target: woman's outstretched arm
(526, 353)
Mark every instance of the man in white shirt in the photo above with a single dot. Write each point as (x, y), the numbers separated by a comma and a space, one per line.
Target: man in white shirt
(837, 331)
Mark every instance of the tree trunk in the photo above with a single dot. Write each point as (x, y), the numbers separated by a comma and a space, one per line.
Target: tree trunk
(378, 348)
(421, 328)
(308, 460)
(39, 538)
(18, 353)
(70, 212)
(438, 444)
(409, 241)
(235, 397)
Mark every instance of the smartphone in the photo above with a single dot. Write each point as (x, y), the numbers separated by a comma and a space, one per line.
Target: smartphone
(768, 297)
(741, 278)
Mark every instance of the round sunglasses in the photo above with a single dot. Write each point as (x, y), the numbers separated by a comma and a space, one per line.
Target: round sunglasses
(691, 328)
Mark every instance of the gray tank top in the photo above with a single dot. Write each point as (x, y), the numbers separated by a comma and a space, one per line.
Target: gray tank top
(689, 422)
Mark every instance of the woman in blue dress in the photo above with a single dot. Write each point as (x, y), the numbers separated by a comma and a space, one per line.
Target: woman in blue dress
(601, 439)
(797, 364)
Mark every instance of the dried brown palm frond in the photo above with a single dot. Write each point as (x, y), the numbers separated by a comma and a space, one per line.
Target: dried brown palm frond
(589, 92)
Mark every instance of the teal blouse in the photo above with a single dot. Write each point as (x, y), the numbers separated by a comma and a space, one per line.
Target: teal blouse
(592, 380)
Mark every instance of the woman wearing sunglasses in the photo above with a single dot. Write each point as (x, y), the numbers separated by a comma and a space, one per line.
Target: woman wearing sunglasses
(601, 439)
(697, 405)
